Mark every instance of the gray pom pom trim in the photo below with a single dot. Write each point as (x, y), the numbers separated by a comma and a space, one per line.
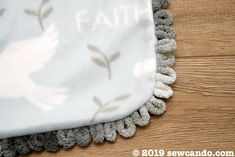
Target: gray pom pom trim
(126, 127)
(35, 142)
(51, 142)
(82, 136)
(97, 133)
(164, 32)
(110, 131)
(8, 149)
(21, 144)
(141, 117)
(66, 138)
(163, 17)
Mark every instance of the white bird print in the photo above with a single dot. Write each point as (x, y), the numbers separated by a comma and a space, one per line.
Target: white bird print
(20, 60)
(142, 68)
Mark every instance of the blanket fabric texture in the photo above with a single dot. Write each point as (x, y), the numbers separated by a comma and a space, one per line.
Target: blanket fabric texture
(76, 71)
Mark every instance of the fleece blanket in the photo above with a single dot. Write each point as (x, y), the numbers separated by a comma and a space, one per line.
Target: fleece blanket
(72, 63)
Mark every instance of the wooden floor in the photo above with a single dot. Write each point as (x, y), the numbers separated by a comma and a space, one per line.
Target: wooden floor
(201, 115)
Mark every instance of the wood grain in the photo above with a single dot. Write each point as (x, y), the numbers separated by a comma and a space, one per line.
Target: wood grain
(204, 27)
(209, 76)
(201, 115)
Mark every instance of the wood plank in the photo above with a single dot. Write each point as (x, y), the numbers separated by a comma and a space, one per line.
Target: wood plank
(209, 76)
(204, 27)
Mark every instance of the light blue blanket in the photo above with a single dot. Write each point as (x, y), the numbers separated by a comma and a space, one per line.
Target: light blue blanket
(71, 63)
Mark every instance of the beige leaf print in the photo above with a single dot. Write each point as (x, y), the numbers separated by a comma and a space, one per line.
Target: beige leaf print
(1, 11)
(93, 48)
(103, 60)
(41, 13)
(114, 56)
(45, 1)
(30, 12)
(122, 97)
(110, 109)
(97, 101)
(47, 13)
(104, 107)
(98, 62)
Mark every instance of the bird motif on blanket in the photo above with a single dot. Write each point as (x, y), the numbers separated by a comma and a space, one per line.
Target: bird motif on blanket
(144, 67)
(20, 60)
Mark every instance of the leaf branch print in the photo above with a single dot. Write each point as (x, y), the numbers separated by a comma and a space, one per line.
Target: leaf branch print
(1, 12)
(40, 14)
(103, 61)
(105, 107)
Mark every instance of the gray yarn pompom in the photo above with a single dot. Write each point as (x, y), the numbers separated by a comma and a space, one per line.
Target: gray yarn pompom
(82, 136)
(159, 4)
(165, 59)
(156, 106)
(166, 46)
(164, 32)
(110, 131)
(50, 141)
(8, 149)
(0, 148)
(66, 138)
(166, 75)
(97, 133)
(141, 117)
(163, 17)
(126, 127)
(21, 145)
(35, 142)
